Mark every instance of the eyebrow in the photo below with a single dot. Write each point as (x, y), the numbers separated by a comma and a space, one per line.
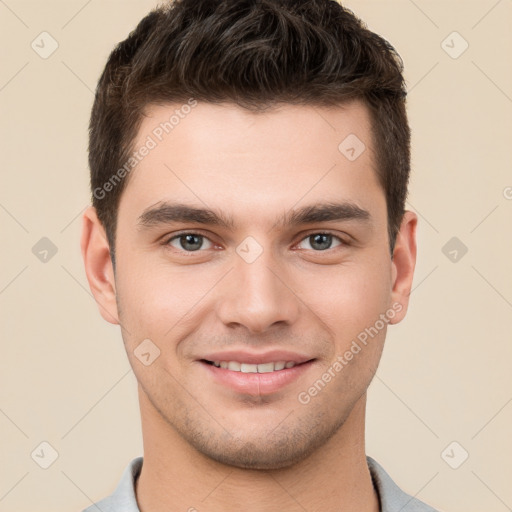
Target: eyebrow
(324, 212)
(168, 213)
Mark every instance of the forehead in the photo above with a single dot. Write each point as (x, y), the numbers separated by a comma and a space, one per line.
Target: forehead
(237, 159)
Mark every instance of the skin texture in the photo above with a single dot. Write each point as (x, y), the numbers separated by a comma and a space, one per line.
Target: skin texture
(206, 445)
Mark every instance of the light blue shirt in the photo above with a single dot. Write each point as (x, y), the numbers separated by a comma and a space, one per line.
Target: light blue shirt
(392, 498)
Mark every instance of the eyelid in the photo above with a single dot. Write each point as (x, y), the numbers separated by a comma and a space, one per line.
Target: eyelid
(343, 241)
(167, 239)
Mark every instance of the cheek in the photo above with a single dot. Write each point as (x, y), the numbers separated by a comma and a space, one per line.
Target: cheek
(151, 295)
(348, 298)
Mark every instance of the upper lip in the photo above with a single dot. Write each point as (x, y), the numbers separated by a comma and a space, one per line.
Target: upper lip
(257, 358)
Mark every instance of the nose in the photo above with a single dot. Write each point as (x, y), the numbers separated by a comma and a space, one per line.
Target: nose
(257, 296)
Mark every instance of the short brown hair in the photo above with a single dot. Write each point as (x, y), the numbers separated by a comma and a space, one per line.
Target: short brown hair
(255, 53)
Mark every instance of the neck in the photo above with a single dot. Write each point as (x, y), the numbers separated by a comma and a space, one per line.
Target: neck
(176, 477)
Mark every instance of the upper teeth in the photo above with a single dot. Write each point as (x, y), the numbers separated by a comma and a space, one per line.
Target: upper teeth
(253, 368)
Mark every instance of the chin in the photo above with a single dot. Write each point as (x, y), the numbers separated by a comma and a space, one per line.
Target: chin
(283, 448)
(251, 456)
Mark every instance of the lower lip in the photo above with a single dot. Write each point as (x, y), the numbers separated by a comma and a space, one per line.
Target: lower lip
(257, 383)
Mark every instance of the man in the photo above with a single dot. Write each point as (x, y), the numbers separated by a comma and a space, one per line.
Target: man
(249, 168)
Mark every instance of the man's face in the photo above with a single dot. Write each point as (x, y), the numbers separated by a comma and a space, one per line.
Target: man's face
(268, 286)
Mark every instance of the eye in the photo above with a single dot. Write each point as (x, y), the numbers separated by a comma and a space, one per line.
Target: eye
(189, 242)
(321, 241)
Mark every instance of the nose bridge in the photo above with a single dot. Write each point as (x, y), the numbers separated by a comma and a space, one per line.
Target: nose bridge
(256, 295)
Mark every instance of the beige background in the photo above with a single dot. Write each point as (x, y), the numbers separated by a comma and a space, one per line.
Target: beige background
(445, 375)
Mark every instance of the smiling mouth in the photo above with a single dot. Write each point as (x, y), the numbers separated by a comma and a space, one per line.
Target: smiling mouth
(237, 366)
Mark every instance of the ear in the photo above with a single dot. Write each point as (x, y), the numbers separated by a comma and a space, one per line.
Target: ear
(403, 263)
(98, 265)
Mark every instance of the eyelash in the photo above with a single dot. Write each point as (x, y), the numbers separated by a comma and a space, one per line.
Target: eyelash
(167, 241)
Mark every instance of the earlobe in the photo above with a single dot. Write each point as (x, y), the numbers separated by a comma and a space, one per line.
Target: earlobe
(403, 263)
(98, 265)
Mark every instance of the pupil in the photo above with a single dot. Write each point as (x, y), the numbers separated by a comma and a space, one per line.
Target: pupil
(191, 242)
(322, 241)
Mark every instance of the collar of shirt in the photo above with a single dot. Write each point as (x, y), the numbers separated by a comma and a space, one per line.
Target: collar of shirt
(391, 497)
